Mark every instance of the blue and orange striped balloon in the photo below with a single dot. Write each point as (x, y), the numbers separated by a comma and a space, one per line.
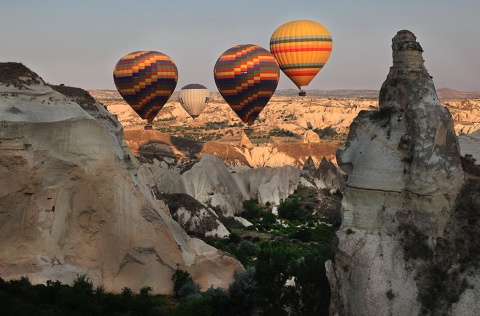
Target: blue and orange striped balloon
(146, 80)
(246, 76)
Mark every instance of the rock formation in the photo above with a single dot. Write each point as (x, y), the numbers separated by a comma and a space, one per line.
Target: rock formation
(194, 217)
(470, 145)
(74, 201)
(329, 176)
(404, 174)
(212, 183)
(310, 137)
(244, 141)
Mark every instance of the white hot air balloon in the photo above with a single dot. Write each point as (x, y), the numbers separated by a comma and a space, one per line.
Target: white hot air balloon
(194, 98)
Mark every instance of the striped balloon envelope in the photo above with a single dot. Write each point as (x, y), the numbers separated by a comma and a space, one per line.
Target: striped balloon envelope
(246, 76)
(301, 48)
(146, 80)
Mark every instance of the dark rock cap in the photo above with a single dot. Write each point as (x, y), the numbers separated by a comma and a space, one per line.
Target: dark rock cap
(406, 49)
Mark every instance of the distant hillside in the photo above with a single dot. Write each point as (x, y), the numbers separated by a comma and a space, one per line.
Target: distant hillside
(444, 93)
(447, 93)
(342, 93)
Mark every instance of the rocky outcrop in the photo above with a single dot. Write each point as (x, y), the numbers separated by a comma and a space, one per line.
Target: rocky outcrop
(404, 174)
(245, 141)
(73, 201)
(330, 176)
(310, 137)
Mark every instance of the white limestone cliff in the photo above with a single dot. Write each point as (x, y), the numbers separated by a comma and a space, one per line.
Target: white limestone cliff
(72, 201)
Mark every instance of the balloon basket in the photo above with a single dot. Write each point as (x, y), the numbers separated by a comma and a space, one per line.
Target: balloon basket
(148, 127)
(248, 130)
(302, 93)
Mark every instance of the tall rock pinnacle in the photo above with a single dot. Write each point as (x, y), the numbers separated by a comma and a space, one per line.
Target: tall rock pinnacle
(403, 166)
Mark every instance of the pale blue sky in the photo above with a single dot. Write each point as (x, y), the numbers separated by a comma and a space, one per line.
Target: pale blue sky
(78, 42)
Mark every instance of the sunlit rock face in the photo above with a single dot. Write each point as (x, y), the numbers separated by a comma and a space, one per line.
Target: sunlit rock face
(310, 137)
(72, 201)
(403, 166)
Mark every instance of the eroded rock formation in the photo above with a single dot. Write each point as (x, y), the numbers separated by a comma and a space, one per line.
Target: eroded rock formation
(404, 174)
(212, 183)
(73, 201)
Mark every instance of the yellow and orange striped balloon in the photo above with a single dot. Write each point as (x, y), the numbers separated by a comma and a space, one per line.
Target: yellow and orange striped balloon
(301, 48)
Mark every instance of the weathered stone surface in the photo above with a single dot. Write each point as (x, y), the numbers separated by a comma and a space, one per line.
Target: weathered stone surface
(403, 166)
(72, 203)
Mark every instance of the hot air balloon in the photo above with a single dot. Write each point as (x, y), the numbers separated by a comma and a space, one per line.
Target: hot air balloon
(194, 99)
(246, 76)
(301, 48)
(146, 80)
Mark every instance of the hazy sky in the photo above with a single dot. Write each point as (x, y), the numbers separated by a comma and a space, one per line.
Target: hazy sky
(78, 42)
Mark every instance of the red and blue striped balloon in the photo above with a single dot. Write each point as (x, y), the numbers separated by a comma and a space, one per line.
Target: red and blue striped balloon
(146, 80)
(246, 76)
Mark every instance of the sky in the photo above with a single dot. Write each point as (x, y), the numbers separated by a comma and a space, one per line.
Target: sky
(78, 43)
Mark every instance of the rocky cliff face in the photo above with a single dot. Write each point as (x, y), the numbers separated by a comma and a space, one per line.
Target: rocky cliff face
(74, 201)
(404, 174)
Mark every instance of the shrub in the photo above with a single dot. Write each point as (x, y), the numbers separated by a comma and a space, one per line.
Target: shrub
(183, 285)
(289, 209)
(249, 248)
(327, 132)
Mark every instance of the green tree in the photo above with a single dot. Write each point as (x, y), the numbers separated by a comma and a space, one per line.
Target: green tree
(310, 296)
(272, 272)
(243, 292)
(290, 209)
(183, 285)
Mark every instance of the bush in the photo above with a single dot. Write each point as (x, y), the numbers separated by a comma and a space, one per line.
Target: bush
(327, 132)
(249, 248)
(183, 285)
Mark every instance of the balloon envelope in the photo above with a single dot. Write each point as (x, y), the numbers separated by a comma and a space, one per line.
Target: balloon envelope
(146, 80)
(246, 76)
(301, 48)
(194, 99)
